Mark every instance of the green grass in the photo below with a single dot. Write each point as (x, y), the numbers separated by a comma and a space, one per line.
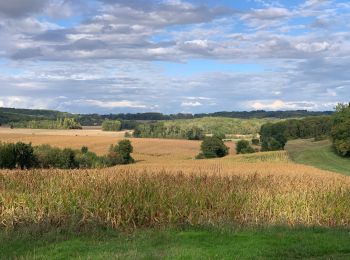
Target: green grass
(319, 154)
(265, 243)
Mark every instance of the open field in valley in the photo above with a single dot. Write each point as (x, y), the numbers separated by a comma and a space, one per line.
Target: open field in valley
(167, 189)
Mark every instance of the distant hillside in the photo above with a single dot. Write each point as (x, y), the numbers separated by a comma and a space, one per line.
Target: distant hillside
(8, 115)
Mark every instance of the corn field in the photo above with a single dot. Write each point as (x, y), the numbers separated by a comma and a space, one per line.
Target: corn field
(167, 187)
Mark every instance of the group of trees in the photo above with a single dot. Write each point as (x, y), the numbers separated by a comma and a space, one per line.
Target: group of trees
(61, 123)
(161, 130)
(25, 156)
(213, 147)
(111, 125)
(274, 136)
(341, 130)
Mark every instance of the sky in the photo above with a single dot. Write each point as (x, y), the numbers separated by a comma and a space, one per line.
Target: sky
(172, 56)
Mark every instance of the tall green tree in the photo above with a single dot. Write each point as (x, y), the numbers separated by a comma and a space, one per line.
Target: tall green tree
(341, 130)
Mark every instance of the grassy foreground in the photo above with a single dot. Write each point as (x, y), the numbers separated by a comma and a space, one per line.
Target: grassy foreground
(204, 243)
(319, 154)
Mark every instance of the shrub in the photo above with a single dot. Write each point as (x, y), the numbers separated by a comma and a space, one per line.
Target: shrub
(255, 141)
(25, 155)
(121, 153)
(244, 147)
(47, 156)
(213, 147)
(88, 160)
(67, 159)
(111, 125)
(84, 149)
(17, 155)
(7, 156)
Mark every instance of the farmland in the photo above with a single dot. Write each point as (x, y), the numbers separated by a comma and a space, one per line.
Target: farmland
(166, 189)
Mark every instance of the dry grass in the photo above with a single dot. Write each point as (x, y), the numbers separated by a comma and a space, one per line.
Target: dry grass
(167, 187)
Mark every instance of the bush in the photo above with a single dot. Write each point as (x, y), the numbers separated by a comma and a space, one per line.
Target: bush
(213, 147)
(7, 156)
(341, 130)
(255, 141)
(127, 134)
(84, 149)
(121, 153)
(88, 160)
(47, 156)
(244, 147)
(67, 160)
(17, 155)
(25, 158)
(111, 125)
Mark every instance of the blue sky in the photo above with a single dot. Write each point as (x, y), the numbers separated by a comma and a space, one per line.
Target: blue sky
(170, 56)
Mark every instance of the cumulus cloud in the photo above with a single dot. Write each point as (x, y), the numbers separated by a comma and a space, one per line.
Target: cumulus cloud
(104, 54)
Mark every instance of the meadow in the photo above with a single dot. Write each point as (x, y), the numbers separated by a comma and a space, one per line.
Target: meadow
(167, 191)
(319, 154)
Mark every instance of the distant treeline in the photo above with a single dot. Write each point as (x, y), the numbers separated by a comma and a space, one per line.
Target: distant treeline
(274, 136)
(62, 123)
(85, 119)
(8, 115)
(196, 129)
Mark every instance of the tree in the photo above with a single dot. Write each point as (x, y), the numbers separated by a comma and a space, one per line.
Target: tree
(195, 133)
(341, 130)
(213, 147)
(243, 146)
(121, 153)
(25, 158)
(111, 125)
(273, 136)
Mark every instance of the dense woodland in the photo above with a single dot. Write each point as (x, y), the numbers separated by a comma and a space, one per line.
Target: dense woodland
(274, 136)
(336, 127)
(62, 123)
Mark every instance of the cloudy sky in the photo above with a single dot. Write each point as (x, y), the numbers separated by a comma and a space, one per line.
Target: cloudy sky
(109, 56)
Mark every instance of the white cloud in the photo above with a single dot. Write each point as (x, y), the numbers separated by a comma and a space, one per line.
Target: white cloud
(113, 104)
(191, 104)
